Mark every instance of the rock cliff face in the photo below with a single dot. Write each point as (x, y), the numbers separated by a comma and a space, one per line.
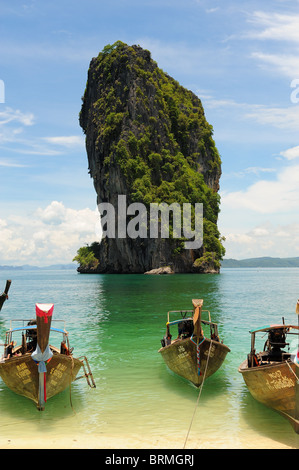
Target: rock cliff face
(147, 138)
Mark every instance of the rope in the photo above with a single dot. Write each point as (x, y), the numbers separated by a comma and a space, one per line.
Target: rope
(70, 387)
(292, 371)
(199, 394)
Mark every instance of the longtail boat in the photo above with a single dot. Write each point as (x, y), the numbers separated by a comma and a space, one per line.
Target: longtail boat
(36, 369)
(4, 295)
(192, 354)
(272, 374)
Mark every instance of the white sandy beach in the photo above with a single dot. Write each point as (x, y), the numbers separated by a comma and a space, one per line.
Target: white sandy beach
(80, 441)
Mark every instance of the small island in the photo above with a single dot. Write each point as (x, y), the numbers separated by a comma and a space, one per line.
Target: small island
(147, 139)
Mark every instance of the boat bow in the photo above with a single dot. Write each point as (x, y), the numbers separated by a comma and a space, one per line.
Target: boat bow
(43, 353)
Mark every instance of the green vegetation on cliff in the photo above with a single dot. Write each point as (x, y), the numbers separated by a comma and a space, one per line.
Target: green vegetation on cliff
(154, 130)
(87, 256)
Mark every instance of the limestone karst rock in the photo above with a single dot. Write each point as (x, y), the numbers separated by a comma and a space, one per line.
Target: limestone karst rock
(147, 138)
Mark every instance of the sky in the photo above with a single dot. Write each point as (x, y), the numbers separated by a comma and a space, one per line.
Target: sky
(241, 58)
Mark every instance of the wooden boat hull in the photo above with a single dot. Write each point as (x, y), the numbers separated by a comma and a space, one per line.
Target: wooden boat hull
(20, 374)
(181, 357)
(274, 385)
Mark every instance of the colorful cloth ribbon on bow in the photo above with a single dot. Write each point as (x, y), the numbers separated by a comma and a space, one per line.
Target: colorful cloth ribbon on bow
(41, 359)
(197, 353)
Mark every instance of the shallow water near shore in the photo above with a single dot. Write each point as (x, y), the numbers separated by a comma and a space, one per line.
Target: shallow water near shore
(117, 321)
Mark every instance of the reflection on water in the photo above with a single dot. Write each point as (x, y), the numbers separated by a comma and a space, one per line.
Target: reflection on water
(117, 321)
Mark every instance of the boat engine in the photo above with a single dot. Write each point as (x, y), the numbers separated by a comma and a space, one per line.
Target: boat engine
(31, 336)
(185, 329)
(275, 342)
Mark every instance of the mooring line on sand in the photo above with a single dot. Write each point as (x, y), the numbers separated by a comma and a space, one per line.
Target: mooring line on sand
(196, 405)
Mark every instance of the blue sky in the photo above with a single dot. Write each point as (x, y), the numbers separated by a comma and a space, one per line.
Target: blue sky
(239, 57)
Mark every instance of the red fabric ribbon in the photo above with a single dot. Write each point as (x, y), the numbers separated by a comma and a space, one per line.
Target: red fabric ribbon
(44, 313)
(45, 387)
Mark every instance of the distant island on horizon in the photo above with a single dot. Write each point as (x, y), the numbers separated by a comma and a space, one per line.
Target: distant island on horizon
(262, 262)
(29, 267)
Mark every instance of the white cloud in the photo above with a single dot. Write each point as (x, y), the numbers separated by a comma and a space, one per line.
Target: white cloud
(9, 164)
(214, 103)
(2, 223)
(253, 170)
(256, 170)
(9, 115)
(291, 154)
(54, 214)
(268, 197)
(49, 145)
(274, 26)
(54, 235)
(12, 126)
(267, 239)
(66, 141)
(13, 136)
(284, 30)
(260, 232)
(286, 64)
(282, 118)
(212, 10)
(262, 219)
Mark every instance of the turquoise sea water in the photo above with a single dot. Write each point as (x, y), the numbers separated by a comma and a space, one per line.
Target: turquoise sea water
(117, 321)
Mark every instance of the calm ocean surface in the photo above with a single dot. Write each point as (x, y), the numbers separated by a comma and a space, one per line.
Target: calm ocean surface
(117, 321)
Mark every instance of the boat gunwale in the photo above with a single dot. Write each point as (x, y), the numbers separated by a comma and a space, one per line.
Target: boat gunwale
(207, 322)
(34, 327)
(204, 322)
(180, 340)
(265, 366)
(274, 327)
